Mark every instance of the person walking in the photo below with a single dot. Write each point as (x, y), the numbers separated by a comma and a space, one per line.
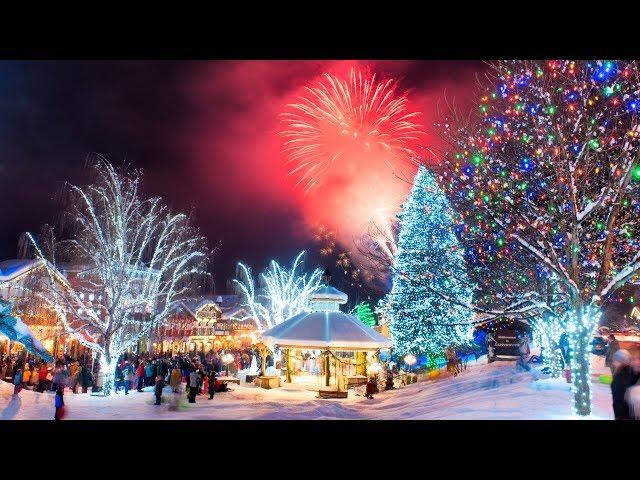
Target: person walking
(612, 347)
(193, 385)
(158, 389)
(26, 376)
(371, 388)
(34, 380)
(624, 377)
(211, 386)
(118, 378)
(85, 377)
(140, 376)
(128, 377)
(59, 403)
(17, 381)
(148, 373)
(175, 378)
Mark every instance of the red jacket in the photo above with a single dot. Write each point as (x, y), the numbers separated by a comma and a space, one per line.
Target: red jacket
(140, 370)
(42, 373)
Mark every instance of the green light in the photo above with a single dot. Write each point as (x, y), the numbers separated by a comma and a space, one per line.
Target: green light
(636, 173)
(593, 143)
(483, 108)
(608, 91)
(477, 159)
(551, 109)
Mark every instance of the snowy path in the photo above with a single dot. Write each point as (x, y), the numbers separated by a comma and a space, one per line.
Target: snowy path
(491, 392)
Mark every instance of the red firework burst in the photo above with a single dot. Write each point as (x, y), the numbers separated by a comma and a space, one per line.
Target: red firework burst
(348, 121)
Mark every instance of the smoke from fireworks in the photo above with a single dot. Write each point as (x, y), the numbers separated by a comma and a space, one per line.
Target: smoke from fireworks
(352, 141)
(347, 124)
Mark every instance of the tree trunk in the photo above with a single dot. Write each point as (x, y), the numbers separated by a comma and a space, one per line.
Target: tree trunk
(582, 324)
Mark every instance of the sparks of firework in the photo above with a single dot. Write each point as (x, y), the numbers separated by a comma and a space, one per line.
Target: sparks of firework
(337, 120)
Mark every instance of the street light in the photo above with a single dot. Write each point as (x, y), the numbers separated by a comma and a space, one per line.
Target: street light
(410, 360)
(227, 358)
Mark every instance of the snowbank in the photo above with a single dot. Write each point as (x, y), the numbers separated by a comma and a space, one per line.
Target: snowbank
(484, 391)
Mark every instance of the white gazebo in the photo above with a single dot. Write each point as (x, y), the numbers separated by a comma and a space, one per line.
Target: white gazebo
(335, 340)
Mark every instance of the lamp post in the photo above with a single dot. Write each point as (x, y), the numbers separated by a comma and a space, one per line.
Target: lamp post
(410, 360)
(227, 358)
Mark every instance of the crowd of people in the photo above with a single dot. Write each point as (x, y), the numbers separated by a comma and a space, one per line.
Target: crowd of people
(198, 372)
(28, 372)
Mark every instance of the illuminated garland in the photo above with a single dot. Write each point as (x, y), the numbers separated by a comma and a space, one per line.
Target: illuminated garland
(581, 329)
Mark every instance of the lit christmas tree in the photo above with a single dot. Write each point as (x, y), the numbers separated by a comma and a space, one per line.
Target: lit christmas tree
(428, 269)
(550, 166)
(365, 313)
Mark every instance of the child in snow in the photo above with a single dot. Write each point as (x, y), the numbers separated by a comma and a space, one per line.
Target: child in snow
(59, 403)
(158, 388)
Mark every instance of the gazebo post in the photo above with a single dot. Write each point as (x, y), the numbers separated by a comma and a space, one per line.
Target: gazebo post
(287, 359)
(361, 363)
(327, 369)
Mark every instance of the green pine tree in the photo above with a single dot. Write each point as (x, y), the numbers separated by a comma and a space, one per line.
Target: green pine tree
(429, 258)
(365, 313)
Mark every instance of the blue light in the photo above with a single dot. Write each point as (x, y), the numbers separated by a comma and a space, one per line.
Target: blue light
(603, 73)
(526, 164)
(633, 105)
(468, 170)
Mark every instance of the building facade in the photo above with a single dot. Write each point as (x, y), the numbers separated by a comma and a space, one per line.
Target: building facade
(205, 324)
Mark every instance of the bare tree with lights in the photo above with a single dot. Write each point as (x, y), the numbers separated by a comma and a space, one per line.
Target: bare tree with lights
(136, 259)
(551, 164)
(280, 293)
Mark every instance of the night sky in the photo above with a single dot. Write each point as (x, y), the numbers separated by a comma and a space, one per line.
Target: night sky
(205, 134)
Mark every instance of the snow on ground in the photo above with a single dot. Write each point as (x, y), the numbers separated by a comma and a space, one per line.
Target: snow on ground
(485, 392)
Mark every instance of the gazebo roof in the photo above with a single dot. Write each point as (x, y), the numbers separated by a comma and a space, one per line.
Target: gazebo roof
(319, 330)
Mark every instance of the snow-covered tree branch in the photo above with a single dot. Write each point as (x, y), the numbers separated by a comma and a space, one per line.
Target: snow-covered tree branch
(132, 259)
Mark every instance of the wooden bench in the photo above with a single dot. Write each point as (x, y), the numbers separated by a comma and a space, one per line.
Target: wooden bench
(229, 380)
(332, 394)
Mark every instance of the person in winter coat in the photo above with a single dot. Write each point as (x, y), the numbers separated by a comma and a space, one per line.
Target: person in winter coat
(17, 381)
(74, 370)
(43, 383)
(59, 404)
(128, 376)
(623, 377)
(211, 383)
(612, 347)
(175, 378)
(140, 376)
(33, 379)
(118, 378)
(148, 374)
(26, 376)
(158, 389)
(85, 378)
(371, 388)
(193, 386)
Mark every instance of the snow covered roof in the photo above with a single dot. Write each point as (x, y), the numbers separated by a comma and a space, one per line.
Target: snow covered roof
(325, 329)
(227, 304)
(327, 293)
(10, 269)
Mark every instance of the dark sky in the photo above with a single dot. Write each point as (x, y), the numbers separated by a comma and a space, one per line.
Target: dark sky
(205, 134)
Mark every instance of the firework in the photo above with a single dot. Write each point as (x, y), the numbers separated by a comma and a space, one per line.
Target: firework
(350, 120)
